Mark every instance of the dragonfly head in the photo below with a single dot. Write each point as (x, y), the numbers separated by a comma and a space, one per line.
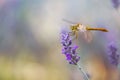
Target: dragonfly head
(75, 27)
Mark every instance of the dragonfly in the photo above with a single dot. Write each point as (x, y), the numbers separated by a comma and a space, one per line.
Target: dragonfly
(86, 30)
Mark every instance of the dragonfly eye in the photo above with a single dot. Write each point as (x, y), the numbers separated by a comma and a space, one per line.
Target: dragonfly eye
(72, 28)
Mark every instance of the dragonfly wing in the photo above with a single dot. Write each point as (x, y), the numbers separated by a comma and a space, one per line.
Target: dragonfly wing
(73, 34)
(88, 36)
(68, 21)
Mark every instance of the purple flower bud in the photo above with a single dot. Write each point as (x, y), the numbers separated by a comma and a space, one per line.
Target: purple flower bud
(68, 56)
(77, 59)
(74, 49)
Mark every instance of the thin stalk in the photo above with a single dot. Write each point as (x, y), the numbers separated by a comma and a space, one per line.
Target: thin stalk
(83, 72)
(81, 69)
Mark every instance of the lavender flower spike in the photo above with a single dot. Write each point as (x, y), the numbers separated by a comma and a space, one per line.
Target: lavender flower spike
(113, 56)
(116, 3)
(68, 49)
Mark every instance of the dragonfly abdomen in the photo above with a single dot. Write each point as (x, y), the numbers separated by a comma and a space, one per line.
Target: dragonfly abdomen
(97, 29)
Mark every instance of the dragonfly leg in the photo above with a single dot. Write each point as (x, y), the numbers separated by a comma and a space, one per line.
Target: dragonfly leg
(76, 35)
(71, 33)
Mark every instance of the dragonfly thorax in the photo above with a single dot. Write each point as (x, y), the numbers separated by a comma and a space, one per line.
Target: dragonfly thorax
(82, 28)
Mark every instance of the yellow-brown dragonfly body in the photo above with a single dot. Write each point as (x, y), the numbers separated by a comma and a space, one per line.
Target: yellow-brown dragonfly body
(84, 29)
(80, 27)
